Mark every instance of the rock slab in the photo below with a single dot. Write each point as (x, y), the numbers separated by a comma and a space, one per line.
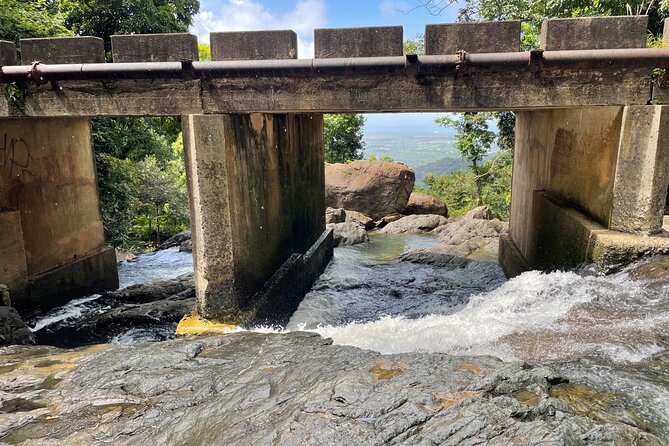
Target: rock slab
(425, 204)
(284, 389)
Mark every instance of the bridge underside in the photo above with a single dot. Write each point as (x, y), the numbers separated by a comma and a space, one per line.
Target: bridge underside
(589, 180)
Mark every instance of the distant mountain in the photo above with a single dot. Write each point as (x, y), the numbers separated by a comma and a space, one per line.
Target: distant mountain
(439, 167)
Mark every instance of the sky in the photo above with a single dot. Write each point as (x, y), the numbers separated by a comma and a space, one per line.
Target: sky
(303, 16)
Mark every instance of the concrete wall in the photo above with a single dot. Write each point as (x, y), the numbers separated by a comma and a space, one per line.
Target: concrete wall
(571, 153)
(257, 191)
(47, 174)
(13, 271)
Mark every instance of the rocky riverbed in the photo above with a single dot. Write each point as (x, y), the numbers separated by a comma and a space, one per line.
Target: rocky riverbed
(292, 389)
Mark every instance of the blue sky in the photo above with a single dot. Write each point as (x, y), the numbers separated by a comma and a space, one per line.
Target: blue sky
(303, 16)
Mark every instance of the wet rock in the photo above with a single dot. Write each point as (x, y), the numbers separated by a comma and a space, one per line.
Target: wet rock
(412, 224)
(388, 219)
(334, 215)
(13, 331)
(186, 246)
(443, 260)
(154, 306)
(374, 188)
(361, 218)
(348, 233)
(124, 256)
(425, 204)
(481, 213)
(175, 240)
(467, 239)
(155, 290)
(288, 389)
(656, 269)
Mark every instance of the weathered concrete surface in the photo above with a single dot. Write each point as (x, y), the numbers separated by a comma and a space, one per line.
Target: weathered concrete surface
(564, 238)
(358, 42)
(154, 47)
(478, 37)
(474, 92)
(294, 389)
(256, 196)
(253, 45)
(594, 33)
(642, 171)
(571, 153)
(57, 50)
(47, 174)
(375, 188)
(13, 269)
(7, 53)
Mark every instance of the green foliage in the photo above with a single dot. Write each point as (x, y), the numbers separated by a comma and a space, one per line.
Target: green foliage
(415, 45)
(506, 130)
(31, 18)
(103, 18)
(457, 190)
(342, 138)
(204, 51)
(473, 138)
(385, 158)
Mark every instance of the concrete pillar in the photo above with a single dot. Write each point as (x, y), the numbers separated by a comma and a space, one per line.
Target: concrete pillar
(257, 196)
(48, 184)
(566, 159)
(642, 172)
(256, 186)
(473, 37)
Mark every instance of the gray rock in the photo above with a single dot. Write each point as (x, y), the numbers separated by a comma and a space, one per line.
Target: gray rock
(154, 290)
(414, 224)
(175, 240)
(361, 218)
(481, 213)
(388, 219)
(13, 331)
(124, 256)
(288, 389)
(464, 239)
(348, 233)
(425, 204)
(186, 246)
(334, 215)
(5, 298)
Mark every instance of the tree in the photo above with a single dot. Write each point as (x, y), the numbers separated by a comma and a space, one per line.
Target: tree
(415, 45)
(104, 18)
(342, 138)
(21, 19)
(473, 141)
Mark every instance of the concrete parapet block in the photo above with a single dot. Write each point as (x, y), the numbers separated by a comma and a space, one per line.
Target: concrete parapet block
(479, 37)
(7, 53)
(642, 171)
(154, 47)
(358, 42)
(594, 33)
(254, 45)
(63, 50)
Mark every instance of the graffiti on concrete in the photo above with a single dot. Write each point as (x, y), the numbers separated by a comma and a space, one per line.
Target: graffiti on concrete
(15, 157)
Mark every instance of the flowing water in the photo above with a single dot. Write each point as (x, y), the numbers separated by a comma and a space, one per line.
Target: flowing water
(610, 333)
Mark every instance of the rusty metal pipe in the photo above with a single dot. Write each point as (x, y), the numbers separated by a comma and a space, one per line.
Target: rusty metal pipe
(457, 64)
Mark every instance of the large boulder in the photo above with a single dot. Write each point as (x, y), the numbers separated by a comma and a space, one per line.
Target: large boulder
(348, 233)
(481, 213)
(175, 240)
(425, 204)
(375, 188)
(13, 331)
(413, 224)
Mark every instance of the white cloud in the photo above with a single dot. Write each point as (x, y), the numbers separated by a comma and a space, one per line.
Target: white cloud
(249, 15)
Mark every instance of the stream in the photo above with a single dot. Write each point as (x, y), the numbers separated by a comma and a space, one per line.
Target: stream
(608, 332)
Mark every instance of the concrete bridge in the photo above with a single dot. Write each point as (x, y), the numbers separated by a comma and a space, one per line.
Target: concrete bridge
(590, 171)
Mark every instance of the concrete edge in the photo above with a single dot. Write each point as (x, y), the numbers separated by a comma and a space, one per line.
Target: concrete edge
(91, 274)
(510, 258)
(283, 292)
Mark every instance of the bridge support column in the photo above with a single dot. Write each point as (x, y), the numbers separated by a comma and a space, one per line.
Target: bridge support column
(52, 244)
(257, 194)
